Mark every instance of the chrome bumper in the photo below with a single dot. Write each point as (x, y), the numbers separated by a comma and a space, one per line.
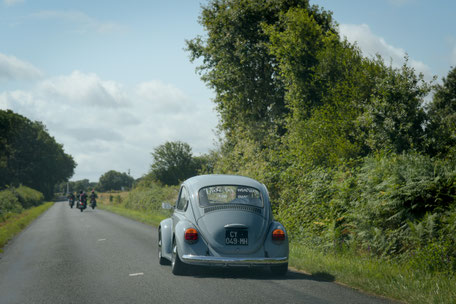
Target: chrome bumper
(234, 261)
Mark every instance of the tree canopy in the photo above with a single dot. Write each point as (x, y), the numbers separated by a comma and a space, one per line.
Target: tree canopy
(30, 156)
(113, 180)
(442, 116)
(173, 162)
(239, 66)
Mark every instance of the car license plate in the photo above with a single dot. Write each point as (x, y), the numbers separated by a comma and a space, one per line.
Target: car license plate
(237, 237)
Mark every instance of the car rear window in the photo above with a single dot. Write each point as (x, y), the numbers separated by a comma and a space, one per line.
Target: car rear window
(230, 194)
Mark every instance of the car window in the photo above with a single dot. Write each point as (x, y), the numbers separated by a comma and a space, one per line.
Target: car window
(183, 200)
(230, 194)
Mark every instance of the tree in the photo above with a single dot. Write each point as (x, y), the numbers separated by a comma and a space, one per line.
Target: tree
(324, 80)
(113, 180)
(342, 105)
(173, 163)
(394, 118)
(238, 65)
(30, 156)
(441, 129)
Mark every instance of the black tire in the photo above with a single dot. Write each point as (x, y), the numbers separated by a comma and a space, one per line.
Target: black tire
(281, 269)
(161, 259)
(177, 266)
(81, 209)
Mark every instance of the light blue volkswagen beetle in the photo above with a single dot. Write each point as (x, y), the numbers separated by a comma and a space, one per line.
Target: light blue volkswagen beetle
(222, 220)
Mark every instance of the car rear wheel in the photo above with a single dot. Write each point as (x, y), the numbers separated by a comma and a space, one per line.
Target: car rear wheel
(281, 269)
(177, 266)
(161, 259)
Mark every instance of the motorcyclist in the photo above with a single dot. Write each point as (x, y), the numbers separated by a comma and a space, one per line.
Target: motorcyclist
(93, 198)
(83, 198)
(93, 195)
(71, 196)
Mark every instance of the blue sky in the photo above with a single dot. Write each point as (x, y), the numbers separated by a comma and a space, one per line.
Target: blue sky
(111, 80)
(425, 30)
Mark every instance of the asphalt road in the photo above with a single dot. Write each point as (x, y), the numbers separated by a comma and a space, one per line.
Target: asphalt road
(66, 256)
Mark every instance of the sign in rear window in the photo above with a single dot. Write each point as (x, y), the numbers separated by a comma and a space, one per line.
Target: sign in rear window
(230, 194)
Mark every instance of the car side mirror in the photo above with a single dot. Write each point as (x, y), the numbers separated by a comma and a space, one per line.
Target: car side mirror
(167, 206)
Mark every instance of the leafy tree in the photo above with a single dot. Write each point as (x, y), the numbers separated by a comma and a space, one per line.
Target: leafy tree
(206, 163)
(113, 180)
(173, 163)
(30, 156)
(325, 82)
(441, 129)
(237, 63)
(394, 119)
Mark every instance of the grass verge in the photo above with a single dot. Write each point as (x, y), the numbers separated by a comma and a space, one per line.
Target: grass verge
(17, 222)
(370, 275)
(146, 217)
(376, 276)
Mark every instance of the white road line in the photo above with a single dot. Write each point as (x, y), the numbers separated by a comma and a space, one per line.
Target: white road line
(136, 274)
(101, 240)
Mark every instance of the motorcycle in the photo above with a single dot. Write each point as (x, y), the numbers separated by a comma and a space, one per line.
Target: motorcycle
(93, 203)
(71, 202)
(81, 205)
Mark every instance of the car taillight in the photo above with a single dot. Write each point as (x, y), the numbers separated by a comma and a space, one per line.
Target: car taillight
(278, 235)
(191, 235)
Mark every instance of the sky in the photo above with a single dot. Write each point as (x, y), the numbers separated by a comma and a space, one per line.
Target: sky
(111, 80)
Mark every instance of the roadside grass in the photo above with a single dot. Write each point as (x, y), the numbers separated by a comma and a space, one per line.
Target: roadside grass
(367, 274)
(17, 222)
(115, 202)
(380, 277)
(146, 217)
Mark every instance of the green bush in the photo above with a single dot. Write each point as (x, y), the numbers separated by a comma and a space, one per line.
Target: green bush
(149, 195)
(384, 205)
(395, 191)
(434, 257)
(29, 197)
(8, 204)
(14, 200)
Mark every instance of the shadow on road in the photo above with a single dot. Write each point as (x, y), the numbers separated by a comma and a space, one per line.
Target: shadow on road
(256, 274)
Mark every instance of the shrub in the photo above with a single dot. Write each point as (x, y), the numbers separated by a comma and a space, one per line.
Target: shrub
(29, 197)
(8, 204)
(14, 200)
(149, 195)
(385, 205)
(397, 190)
(434, 257)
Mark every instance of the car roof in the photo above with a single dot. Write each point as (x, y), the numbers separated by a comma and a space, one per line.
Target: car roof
(200, 181)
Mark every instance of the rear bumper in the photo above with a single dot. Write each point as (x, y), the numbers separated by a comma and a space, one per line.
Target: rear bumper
(232, 261)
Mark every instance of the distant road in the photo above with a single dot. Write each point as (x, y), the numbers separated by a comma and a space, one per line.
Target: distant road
(66, 256)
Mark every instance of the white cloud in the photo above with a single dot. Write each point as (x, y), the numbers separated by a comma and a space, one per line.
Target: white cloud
(12, 68)
(12, 2)
(162, 97)
(107, 126)
(84, 90)
(85, 22)
(371, 44)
